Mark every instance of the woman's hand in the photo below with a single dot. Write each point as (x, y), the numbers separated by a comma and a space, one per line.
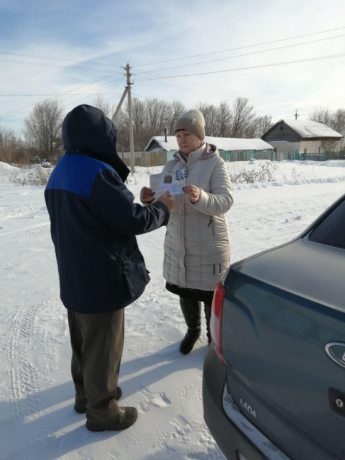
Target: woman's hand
(146, 195)
(193, 192)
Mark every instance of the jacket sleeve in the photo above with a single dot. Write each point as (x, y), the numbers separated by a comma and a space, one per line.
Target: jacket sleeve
(112, 202)
(219, 200)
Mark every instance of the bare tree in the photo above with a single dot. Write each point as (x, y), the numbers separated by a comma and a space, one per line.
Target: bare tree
(177, 109)
(151, 116)
(225, 117)
(338, 123)
(335, 120)
(266, 124)
(43, 129)
(8, 144)
(243, 119)
(321, 115)
(210, 113)
(106, 107)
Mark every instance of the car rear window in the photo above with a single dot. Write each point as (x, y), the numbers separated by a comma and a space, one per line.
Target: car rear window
(331, 231)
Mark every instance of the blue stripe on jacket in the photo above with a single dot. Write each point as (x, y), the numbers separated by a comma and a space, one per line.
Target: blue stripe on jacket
(76, 173)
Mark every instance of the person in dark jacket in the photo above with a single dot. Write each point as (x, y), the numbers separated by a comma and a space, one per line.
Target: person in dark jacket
(94, 222)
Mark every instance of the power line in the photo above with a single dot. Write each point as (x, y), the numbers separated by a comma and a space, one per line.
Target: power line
(88, 95)
(58, 59)
(62, 94)
(241, 55)
(40, 64)
(241, 47)
(216, 90)
(193, 86)
(252, 67)
(53, 95)
(219, 94)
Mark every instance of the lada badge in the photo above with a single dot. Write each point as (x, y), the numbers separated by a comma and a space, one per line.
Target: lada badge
(336, 351)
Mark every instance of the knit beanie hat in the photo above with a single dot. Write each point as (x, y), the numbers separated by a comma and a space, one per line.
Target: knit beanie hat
(192, 121)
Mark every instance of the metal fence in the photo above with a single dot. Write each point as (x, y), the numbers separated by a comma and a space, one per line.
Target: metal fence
(151, 158)
(246, 155)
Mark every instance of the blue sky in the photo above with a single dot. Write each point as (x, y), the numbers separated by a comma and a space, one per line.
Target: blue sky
(106, 35)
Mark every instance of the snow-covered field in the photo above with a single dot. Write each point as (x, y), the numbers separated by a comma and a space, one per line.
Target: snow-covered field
(36, 393)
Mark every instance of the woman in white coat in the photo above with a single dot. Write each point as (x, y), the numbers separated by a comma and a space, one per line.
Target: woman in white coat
(197, 241)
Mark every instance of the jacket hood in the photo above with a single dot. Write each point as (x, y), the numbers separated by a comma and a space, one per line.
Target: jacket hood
(208, 151)
(88, 131)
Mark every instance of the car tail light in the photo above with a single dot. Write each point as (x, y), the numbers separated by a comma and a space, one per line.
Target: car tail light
(216, 319)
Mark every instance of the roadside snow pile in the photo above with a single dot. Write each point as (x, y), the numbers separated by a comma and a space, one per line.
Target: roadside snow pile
(6, 169)
(32, 176)
(265, 173)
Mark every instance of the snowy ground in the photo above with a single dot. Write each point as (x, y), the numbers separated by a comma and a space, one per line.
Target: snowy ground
(36, 394)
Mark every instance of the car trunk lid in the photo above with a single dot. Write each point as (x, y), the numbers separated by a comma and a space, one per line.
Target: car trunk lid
(274, 332)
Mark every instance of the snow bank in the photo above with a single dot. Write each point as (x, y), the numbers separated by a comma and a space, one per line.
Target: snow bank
(288, 172)
(36, 392)
(6, 169)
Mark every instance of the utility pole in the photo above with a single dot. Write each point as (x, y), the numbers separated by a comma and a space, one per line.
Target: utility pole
(120, 104)
(296, 114)
(260, 127)
(131, 140)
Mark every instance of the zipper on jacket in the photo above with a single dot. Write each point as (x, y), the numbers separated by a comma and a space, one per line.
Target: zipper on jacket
(211, 222)
(220, 268)
(214, 269)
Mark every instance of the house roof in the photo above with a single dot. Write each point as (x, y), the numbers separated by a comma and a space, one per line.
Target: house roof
(227, 144)
(309, 129)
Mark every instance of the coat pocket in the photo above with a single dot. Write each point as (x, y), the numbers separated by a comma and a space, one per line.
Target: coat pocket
(135, 274)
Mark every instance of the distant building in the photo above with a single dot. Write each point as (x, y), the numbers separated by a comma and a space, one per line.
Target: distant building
(231, 149)
(302, 137)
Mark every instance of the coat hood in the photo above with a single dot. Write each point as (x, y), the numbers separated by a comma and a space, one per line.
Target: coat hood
(206, 151)
(88, 131)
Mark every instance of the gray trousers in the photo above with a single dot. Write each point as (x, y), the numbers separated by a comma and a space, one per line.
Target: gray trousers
(97, 345)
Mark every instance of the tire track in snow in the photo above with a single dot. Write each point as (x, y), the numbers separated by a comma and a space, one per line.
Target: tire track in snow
(23, 378)
(29, 232)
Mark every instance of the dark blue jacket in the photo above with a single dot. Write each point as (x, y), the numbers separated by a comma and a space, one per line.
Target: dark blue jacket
(93, 226)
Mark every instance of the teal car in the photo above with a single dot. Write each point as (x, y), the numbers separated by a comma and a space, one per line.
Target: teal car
(274, 375)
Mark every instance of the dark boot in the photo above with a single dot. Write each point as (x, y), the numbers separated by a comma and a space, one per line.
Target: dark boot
(125, 417)
(208, 309)
(80, 404)
(191, 312)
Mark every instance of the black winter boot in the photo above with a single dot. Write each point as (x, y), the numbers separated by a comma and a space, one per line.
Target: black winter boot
(125, 417)
(191, 312)
(80, 404)
(208, 309)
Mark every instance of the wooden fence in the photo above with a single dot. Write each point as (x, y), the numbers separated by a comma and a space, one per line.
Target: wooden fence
(146, 159)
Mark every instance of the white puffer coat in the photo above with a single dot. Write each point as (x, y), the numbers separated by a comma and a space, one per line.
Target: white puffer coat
(197, 240)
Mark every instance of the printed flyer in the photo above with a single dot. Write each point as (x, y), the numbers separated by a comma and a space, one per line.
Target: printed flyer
(170, 182)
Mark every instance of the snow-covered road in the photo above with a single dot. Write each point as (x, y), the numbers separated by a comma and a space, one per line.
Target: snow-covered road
(36, 393)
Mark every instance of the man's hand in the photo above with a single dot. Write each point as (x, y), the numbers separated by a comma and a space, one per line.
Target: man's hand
(168, 200)
(193, 192)
(146, 195)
